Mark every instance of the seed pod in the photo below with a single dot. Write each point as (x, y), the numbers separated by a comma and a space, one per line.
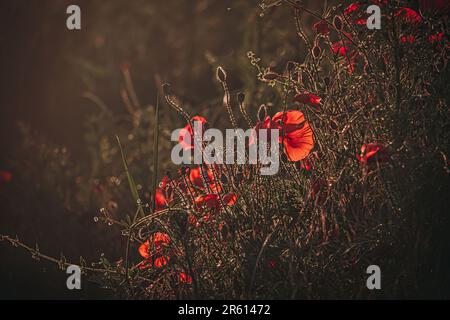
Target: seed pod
(270, 76)
(221, 75)
(337, 22)
(290, 66)
(262, 113)
(166, 89)
(224, 179)
(241, 97)
(316, 52)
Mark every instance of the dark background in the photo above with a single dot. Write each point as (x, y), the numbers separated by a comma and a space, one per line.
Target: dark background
(45, 69)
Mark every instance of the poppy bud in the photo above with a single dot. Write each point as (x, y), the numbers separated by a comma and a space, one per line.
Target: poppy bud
(221, 75)
(290, 66)
(166, 89)
(262, 113)
(270, 76)
(241, 97)
(316, 52)
(337, 22)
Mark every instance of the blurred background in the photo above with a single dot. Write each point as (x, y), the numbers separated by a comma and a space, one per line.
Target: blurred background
(65, 94)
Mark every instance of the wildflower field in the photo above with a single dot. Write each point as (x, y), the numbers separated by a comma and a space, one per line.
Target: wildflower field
(363, 168)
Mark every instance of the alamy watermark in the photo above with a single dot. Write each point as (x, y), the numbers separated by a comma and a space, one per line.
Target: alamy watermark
(374, 280)
(74, 280)
(73, 22)
(208, 147)
(374, 20)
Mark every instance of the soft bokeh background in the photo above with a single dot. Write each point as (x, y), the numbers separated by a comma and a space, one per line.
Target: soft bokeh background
(47, 74)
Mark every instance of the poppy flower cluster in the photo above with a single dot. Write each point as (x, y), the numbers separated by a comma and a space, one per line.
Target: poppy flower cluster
(205, 198)
(208, 200)
(154, 251)
(199, 186)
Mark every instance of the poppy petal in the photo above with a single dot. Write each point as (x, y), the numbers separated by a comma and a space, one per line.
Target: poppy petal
(144, 249)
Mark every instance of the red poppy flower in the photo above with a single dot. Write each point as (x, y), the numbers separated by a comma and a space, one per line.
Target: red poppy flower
(195, 176)
(308, 98)
(5, 177)
(144, 249)
(407, 39)
(164, 182)
(160, 200)
(321, 27)
(185, 278)
(408, 15)
(360, 21)
(372, 152)
(230, 199)
(306, 164)
(151, 251)
(186, 134)
(158, 262)
(267, 124)
(161, 261)
(296, 134)
(159, 241)
(211, 202)
(436, 37)
(164, 194)
(352, 8)
(341, 48)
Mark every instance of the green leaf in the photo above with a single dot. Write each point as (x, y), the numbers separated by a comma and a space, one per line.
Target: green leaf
(155, 153)
(134, 191)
